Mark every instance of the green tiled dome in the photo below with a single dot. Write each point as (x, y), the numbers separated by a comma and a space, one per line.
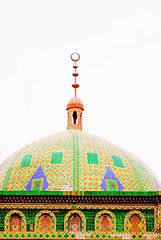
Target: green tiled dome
(75, 161)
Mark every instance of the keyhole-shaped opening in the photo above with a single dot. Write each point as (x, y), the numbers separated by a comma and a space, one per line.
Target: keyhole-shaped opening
(74, 117)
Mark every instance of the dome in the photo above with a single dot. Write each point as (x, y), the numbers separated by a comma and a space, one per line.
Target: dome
(75, 161)
(75, 100)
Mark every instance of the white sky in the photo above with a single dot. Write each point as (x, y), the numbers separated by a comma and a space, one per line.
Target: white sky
(120, 72)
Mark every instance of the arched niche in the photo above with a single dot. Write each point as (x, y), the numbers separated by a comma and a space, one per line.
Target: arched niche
(74, 223)
(135, 224)
(45, 223)
(15, 223)
(105, 223)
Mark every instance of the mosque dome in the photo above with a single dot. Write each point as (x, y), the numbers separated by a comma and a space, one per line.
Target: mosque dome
(75, 161)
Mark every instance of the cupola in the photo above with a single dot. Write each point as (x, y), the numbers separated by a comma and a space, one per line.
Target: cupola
(75, 105)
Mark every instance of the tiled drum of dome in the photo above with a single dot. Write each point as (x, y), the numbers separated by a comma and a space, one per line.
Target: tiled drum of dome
(41, 151)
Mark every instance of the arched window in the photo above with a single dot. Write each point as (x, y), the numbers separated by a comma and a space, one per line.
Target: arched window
(15, 223)
(74, 223)
(45, 223)
(74, 117)
(135, 223)
(105, 223)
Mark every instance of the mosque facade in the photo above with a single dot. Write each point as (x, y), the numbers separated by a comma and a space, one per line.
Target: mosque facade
(73, 185)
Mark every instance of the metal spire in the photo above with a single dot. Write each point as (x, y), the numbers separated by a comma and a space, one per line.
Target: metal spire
(75, 57)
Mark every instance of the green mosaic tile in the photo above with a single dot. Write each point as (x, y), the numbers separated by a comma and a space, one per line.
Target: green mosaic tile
(117, 161)
(59, 236)
(26, 161)
(134, 236)
(140, 236)
(4, 235)
(149, 216)
(66, 235)
(57, 157)
(103, 236)
(73, 236)
(92, 158)
(120, 216)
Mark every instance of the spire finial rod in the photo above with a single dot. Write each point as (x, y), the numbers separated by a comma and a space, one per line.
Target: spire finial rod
(75, 57)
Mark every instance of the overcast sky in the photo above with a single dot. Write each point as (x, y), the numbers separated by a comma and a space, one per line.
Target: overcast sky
(119, 72)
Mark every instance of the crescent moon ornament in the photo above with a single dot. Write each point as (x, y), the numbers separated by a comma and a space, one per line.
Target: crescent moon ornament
(75, 57)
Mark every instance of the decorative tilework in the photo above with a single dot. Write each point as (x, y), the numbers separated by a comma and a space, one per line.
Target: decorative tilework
(143, 220)
(117, 161)
(113, 230)
(156, 215)
(66, 206)
(74, 171)
(141, 166)
(38, 182)
(92, 158)
(66, 220)
(110, 182)
(61, 235)
(26, 161)
(56, 157)
(51, 214)
(75, 163)
(7, 220)
(89, 235)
